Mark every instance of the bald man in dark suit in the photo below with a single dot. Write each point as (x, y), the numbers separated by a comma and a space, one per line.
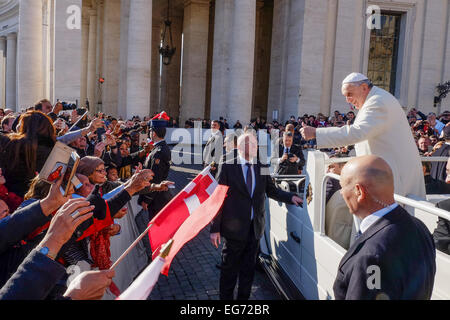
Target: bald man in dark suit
(394, 254)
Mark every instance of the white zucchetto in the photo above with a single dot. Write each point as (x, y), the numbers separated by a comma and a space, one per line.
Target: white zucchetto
(354, 77)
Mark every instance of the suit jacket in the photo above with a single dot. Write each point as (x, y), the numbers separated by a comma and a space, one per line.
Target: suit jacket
(234, 219)
(338, 220)
(213, 151)
(441, 234)
(20, 224)
(34, 279)
(403, 249)
(158, 161)
(287, 167)
(438, 169)
(381, 128)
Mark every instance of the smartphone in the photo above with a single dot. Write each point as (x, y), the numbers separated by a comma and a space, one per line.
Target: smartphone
(100, 133)
(143, 138)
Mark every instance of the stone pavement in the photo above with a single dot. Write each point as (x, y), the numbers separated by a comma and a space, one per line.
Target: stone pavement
(193, 274)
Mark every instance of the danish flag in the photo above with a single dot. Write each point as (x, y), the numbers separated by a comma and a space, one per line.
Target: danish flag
(163, 115)
(186, 214)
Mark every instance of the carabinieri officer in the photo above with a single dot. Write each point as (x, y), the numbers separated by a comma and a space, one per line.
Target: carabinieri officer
(159, 161)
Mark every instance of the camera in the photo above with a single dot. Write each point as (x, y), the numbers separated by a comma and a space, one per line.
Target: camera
(68, 106)
(100, 132)
(80, 111)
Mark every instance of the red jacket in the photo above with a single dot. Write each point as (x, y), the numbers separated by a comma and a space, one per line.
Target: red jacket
(12, 200)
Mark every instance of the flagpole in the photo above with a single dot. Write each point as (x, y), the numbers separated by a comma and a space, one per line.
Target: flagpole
(134, 244)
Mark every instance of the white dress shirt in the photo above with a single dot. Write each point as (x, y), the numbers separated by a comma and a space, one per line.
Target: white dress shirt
(374, 217)
(243, 163)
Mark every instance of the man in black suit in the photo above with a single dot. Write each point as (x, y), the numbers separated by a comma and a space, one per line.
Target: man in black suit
(242, 218)
(292, 159)
(441, 234)
(438, 168)
(394, 254)
(213, 151)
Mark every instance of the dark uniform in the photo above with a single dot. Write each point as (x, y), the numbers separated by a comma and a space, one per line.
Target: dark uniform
(158, 161)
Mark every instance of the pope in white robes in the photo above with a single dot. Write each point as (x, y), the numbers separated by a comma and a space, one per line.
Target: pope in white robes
(380, 128)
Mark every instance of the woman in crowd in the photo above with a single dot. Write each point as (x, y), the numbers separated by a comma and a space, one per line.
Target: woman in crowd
(23, 154)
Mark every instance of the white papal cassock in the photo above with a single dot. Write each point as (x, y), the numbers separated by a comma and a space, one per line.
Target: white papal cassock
(381, 128)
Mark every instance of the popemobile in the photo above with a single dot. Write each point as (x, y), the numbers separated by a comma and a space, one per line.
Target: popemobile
(302, 260)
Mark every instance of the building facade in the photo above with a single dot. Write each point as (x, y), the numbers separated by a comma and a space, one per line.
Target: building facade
(234, 58)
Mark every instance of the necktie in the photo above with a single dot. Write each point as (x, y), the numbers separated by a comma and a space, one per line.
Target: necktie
(358, 235)
(249, 180)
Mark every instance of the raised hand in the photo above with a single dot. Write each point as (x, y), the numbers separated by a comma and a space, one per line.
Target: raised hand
(90, 285)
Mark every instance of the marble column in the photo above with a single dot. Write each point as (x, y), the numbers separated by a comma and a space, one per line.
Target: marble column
(2, 71)
(220, 84)
(29, 54)
(84, 58)
(242, 61)
(139, 58)
(91, 63)
(100, 7)
(195, 57)
(11, 71)
(111, 57)
(123, 63)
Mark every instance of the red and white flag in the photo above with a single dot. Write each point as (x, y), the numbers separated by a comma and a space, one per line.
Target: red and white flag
(141, 288)
(187, 214)
(161, 116)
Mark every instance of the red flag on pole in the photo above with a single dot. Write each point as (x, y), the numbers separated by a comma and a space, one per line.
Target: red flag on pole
(162, 116)
(198, 220)
(175, 213)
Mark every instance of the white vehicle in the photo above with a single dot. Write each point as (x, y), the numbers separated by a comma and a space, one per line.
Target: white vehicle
(302, 261)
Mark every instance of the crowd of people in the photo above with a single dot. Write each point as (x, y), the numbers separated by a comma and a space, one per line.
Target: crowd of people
(43, 229)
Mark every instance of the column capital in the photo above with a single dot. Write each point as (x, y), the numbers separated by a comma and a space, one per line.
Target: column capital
(12, 35)
(198, 2)
(2, 38)
(91, 12)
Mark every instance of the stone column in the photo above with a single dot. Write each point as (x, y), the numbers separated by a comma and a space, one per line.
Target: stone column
(123, 63)
(111, 57)
(139, 58)
(242, 61)
(29, 54)
(195, 57)
(100, 7)
(220, 84)
(11, 71)
(2, 71)
(278, 59)
(91, 63)
(67, 48)
(84, 57)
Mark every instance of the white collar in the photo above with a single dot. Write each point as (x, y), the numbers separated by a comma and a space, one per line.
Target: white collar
(158, 142)
(243, 161)
(374, 217)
